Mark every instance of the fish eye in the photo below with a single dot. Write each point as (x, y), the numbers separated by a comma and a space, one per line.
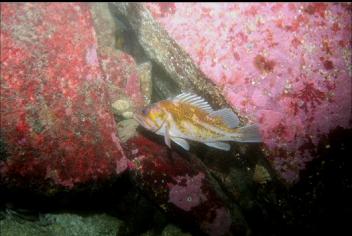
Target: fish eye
(145, 111)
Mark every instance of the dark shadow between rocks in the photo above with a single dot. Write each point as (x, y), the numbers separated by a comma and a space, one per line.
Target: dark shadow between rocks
(117, 197)
(163, 85)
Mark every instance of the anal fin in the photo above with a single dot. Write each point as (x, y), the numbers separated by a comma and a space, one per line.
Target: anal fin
(219, 145)
(180, 141)
(167, 136)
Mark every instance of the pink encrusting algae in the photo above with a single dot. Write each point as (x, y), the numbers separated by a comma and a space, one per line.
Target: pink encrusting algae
(187, 192)
(285, 66)
(179, 184)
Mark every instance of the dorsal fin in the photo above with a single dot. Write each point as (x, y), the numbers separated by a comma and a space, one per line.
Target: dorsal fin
(193, 99)
(227, 116)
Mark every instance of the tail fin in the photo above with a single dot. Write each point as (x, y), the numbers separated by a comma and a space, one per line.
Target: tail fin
(248, 134)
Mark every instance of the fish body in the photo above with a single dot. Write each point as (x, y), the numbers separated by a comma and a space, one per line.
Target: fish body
(189, 117)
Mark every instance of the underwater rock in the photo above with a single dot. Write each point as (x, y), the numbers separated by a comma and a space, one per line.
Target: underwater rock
(122, 75)
(169, 230)
(165, 52)
(284, 66)
(261, 175)
(62, 224)
(132, 94)
(122, 80)
(179, 183)
(122, 107)
(172, 230)
(105, 28)
(127, 129)
(56, 121)
(145, 76)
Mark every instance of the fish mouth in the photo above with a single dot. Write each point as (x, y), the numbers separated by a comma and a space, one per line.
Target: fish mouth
(145, 122)
(139, 119)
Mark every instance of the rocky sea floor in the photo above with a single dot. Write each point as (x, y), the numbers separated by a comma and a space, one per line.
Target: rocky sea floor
(73, 162)
(318, 205)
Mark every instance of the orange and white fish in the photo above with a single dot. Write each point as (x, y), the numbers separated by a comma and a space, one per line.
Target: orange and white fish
(189, 117)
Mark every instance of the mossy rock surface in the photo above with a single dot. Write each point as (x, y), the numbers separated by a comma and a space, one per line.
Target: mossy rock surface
(61, 224)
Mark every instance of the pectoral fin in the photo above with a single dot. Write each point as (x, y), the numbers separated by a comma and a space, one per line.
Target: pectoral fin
(180, 141)
(167, 136)
(219, 145)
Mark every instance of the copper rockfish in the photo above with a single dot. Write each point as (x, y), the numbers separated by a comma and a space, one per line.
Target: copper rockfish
(189, 117)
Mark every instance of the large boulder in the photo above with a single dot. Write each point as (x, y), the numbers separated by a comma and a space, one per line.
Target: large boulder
(181, 185)
(57, 128)
(284, 66)
(63, 86)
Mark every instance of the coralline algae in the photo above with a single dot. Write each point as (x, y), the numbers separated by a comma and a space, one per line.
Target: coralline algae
(285, 66)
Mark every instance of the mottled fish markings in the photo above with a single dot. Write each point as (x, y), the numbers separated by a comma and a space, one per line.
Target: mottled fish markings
(189, 117)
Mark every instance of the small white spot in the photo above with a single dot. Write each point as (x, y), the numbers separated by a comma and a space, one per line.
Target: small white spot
(134, 151)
